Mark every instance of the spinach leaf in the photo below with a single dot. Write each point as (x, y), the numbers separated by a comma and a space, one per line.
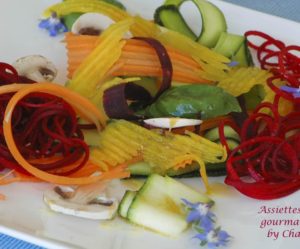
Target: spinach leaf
(193, 101)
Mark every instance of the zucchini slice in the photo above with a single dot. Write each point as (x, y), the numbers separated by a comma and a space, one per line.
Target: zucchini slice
(158, 205)
(140, 169)
(126, 202)
(213, 134)
(213, 20)
(243, 56)
(229, 44)
(169, 16)
(213, 23)
(143, 169)
(235, 48)
(232, 137)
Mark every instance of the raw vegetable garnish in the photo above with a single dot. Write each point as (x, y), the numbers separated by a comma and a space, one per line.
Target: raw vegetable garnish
(169, 16)
(137, 58)
(193, 101)
(40, 136)
(54, 25)
(119, 107)
(8, 75)
(137, 69)
(212, 63)
(267, 156)
(122, 141)
(266, 163)
(204, 223)
(157, 205)
(44, 126)
(95, 62)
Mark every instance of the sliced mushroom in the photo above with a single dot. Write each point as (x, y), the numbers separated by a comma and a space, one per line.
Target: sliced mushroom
(89, 201)
(169, 123)
(36, 68)
(91, 24)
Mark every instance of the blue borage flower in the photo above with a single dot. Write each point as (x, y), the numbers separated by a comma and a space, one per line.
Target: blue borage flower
(214, 238)
(53, 25)
(233, 64)
(203, 222)
(199, 213)
(293, 90)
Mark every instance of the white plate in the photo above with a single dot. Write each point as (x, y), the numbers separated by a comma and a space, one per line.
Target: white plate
(24, 215)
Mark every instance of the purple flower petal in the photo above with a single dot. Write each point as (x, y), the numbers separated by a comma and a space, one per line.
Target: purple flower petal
(203, 221)
(44, 24)
(290, 89)
(207, 224)
(61, 27)
(233, 63)
(296, 95)
(53, 25)
(200, 236)
(193, 216)
(223, 237)
(52, 32)
(211, 215)
(190, 204)
(212, 245)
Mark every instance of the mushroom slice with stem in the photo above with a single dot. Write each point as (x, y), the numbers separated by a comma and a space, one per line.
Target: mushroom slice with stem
(36, 68)
(91, 24)
(90, 201)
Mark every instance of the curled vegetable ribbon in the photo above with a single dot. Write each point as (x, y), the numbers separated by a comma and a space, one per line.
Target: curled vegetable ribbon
(266, 163)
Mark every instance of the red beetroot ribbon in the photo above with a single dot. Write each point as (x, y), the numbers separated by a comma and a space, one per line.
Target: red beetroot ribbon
(266, 163)
(44, 126)
(115, 98)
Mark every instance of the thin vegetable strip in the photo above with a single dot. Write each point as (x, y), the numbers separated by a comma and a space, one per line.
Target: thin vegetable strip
(73, 161)
(122, 136)
(214, 63)
(136, 59)
(93, 69)
(85, 6)
(43, 126)
(268, 155)
(279, 58)
(119, 107)
(266, 163)
(8, 74)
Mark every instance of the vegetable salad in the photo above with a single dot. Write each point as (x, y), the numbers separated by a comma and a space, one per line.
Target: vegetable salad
(123, 72)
